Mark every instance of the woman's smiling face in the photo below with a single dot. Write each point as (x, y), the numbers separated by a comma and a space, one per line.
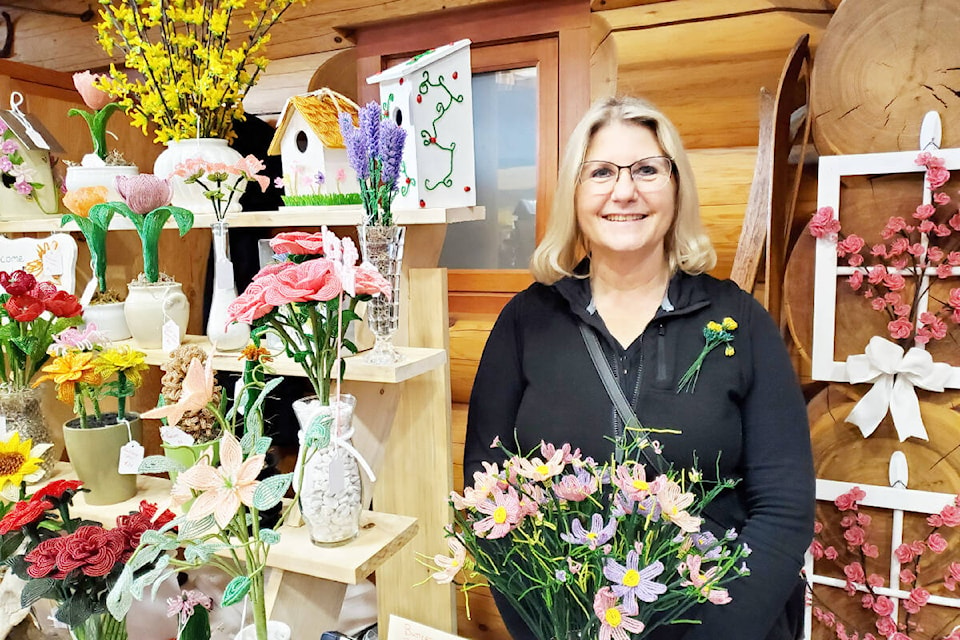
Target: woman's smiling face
(620, 218)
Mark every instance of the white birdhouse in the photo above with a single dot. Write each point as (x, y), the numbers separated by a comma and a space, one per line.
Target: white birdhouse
(309, 142)
(28, 188)
(431, 97)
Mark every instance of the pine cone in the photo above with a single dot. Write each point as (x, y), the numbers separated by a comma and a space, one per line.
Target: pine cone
(202, 425)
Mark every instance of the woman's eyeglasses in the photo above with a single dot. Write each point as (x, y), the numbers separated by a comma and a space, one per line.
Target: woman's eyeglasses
(648, 174)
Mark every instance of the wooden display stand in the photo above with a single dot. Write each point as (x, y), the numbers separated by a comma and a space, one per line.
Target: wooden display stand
(402, 424)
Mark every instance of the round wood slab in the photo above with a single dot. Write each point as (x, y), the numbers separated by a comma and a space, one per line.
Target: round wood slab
(880, 66)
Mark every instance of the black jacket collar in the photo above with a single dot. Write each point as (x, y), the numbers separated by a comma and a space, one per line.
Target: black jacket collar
(685, 292)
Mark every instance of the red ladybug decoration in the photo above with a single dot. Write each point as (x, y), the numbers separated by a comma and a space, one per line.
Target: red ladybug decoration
(454, 75)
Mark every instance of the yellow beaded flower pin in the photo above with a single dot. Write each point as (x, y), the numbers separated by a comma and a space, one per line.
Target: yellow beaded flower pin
(714, 334)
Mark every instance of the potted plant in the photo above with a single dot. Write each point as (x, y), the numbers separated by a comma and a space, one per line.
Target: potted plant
(75, 562)
(85, 370)
(31, 313)
(105, 308)
(231, 496)
(100, 167)
(308, 301)
(375, 151)
(191, 100)
(221, 183)
(192, 405)
(153, 298)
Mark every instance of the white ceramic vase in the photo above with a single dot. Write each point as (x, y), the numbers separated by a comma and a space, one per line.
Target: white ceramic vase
(275, 631)
(149, 305)
(190, 196)
(223, 336)
(109, 318)
(81, 176)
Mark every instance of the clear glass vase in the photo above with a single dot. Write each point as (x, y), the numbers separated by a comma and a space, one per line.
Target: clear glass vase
(101, 626)
(223, 336)
(22, 413)
(382, 246)
(327, 473)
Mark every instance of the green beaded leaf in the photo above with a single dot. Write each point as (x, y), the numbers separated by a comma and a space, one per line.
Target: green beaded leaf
(235, 591)
(201, 552)
(36, 589)
(318, 433)
(270, 491)
(262, 445)
(159, 540)
(119, 599)
(269, 536)
(159, 464)
(145, 555)
(190, 529)
(151, 577)
(246, 442)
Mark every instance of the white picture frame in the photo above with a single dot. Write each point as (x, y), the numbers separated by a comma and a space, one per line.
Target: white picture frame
(831, 170)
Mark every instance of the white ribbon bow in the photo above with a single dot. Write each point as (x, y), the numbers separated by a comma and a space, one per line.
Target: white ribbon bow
(894, 376)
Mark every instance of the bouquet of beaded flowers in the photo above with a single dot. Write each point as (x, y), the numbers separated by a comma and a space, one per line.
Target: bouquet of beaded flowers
(611, 549)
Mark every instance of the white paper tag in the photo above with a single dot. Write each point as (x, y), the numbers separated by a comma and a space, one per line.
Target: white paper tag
(53, 263)
(131, 455)
(88, 292)
(335, 485)
(175, 436)
(3, 424)
(237, 391)
(170, 336)
(224, 271)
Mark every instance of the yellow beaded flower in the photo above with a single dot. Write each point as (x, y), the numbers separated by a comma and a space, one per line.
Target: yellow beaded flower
(714, 334)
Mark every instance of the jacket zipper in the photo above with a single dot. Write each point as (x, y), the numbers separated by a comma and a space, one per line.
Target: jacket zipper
(661, 353)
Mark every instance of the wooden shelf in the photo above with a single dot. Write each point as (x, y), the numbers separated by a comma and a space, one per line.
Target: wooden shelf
(345, 215)
(381, 535)
(416, 361)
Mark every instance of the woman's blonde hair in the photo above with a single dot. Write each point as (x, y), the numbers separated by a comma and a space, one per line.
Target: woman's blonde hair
(563, 246)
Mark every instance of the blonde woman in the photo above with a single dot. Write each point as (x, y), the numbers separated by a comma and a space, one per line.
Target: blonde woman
(623, 264)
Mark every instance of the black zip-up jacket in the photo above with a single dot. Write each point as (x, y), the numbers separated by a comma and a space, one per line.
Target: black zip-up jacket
(536, 382)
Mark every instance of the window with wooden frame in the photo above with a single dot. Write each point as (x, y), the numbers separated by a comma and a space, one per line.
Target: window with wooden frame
(542, 46)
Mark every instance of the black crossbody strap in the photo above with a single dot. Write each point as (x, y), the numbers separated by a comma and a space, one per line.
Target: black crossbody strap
(627, 415)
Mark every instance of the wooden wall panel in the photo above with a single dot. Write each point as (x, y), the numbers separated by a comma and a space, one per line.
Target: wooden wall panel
(723, 63)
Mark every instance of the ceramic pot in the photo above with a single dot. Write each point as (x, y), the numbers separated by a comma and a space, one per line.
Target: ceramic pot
(223, 336)
(188, 454)
(331, 497)
(149, 305)
(109, 318)
(190, 196)
(95, 455)
(22, 412)
(275, 631)
(80, 176)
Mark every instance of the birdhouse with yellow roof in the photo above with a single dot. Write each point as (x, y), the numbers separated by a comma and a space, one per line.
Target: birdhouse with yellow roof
(430, 95)
(311, 148)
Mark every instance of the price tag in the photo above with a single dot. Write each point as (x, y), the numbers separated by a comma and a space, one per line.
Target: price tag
(175, 436)
(3, 424)
(337, 475)
(224, 271)
(131, 455)
(237, 393)
(88, 292)
(170, 336)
